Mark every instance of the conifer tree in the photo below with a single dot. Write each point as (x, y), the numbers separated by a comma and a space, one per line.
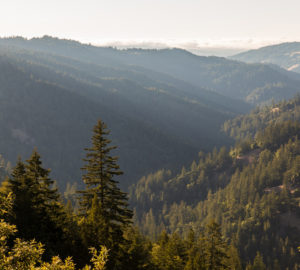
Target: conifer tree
(24, 205)
(103, 206)
(195, 252)
(258, 263)
(169, 252)
(40, 177)
(215, 248)
(138, 250)
(37, 211)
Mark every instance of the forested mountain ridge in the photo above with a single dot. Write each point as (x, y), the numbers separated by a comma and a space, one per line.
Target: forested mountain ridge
(252, 191)
(285, 55)
(169, 103)
(254, 83)
(67, 96)
(56, 120)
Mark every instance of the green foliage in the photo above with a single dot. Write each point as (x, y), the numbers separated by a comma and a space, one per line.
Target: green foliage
(57, 264)
(37, 210)
(99, 259)
(207, 251)
(169, 252)
(195, 251)
(138, 250)
(257, 205)
(215, 248)
(27, 255)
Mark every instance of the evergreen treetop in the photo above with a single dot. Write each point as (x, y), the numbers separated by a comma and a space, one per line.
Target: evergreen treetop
(103, 206)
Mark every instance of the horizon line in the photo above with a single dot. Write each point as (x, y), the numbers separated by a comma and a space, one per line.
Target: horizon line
(193, 43)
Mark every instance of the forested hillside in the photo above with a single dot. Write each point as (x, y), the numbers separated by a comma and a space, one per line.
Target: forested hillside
(252, 190)
(230, 209)
(165, 108)
(39, 232)
(246, 126)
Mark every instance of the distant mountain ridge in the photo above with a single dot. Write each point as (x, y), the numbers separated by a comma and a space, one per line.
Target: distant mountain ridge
(256, 84)
(163, 106)
(51, 102)
(285, 55)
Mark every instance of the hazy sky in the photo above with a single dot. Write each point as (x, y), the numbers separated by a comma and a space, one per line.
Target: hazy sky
(232, 22)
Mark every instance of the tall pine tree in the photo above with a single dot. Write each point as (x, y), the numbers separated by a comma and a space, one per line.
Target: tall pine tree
(215, 248)
(103, 206)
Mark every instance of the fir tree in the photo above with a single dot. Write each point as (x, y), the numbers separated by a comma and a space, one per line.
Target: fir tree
(103, 206)
(37, 210)
(195, 252)
(215, 248)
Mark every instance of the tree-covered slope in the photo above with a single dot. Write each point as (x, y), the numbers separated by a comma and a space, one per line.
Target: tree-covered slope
(253, 192)
(285, 55)
(246, 126)
(31, 210)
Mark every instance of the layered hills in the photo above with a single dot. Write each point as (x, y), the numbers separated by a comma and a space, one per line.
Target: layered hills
(253, 83)
(51, 102)
(162, 106)
(285, 55)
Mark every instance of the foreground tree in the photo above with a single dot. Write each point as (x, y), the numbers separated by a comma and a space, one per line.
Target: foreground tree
(103, 206)
(37, 210)
(28, 254)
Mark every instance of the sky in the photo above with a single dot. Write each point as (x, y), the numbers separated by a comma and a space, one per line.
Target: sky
(195, 23)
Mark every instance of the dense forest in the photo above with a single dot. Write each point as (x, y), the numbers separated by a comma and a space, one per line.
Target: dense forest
(246, 126)
(251, 190)
(210, 184)
(232, 209)
(39, 231)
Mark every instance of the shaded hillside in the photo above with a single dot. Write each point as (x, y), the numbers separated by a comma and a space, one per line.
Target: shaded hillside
(285, 55)
(97, 65)
(54, 108)
(255, 83)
